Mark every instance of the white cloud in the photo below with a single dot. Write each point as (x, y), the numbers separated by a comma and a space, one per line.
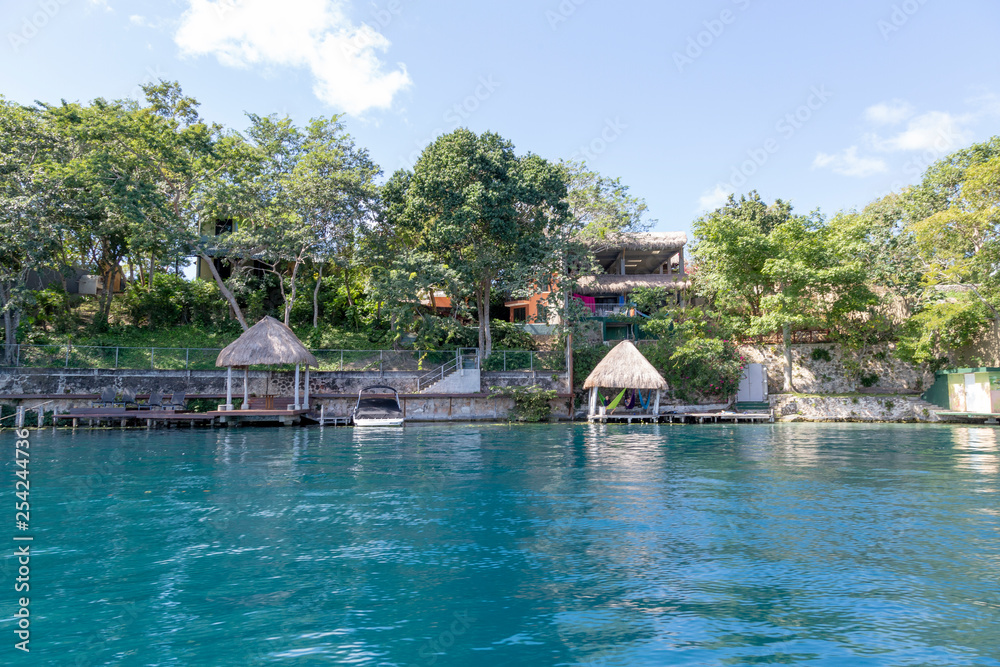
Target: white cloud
(313, 34)
(713, 199)
(936, 131)
(889, 113)
(848, 163)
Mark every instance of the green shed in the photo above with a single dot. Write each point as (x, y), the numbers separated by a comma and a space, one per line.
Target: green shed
(971, 390)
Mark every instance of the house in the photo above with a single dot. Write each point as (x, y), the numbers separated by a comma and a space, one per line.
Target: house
(630, 261)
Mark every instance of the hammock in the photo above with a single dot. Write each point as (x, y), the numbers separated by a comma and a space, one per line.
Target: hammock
(645, 402)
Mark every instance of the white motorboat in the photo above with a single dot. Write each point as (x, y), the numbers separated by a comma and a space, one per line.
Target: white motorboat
(378, 410)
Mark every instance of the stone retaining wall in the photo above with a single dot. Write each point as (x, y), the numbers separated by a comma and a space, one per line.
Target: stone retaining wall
(788, 407)
(829, 377)
(70, 381)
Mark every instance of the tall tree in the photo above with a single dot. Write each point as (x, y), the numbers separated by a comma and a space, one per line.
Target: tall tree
(770, 270)
(305, 195)
(485, 211)
(30, 234)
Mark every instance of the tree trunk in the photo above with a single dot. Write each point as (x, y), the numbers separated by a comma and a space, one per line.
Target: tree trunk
(226, 294)
(152, 270)
(483, 306)
(104, 307)
(289, 302)
(319, 281)
(569, 341)
(786, 335)
(11, 319)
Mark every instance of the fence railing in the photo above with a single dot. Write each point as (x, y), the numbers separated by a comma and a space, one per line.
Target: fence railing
(194, 358)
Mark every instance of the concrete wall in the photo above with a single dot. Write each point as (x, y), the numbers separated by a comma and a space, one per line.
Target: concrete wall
(49, 381)
(448, 408)
(829, 377)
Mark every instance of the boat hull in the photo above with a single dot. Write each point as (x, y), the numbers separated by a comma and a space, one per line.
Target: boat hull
(362, 421)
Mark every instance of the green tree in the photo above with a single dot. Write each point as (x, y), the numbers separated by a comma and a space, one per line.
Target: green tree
(768, 270)
(958, 248)
(30, 233)
(304, 195)
(485, 212)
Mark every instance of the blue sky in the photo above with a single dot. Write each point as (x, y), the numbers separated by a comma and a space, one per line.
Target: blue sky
(825, 104)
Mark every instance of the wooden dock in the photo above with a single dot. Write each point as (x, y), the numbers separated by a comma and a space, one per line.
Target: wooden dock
(122, 417)
(684, 418)
(989, 418)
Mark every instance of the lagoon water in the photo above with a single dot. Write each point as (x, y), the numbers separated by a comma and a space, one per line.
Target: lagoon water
(497, 545)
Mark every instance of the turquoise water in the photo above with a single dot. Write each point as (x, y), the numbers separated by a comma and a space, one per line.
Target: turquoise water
(495, 545)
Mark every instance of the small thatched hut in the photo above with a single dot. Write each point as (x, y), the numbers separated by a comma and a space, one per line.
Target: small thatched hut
(624, 368)
(267, 343)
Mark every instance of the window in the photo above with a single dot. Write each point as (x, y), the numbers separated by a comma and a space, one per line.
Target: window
(520, 315)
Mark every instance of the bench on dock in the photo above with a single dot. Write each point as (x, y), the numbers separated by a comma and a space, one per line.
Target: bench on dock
(270, 403)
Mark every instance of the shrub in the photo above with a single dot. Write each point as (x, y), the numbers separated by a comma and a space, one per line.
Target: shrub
(585, 360)
(821, 354)
(531, 404)
(509, 336)
(697, 367)
(174, 301)
(869, 380)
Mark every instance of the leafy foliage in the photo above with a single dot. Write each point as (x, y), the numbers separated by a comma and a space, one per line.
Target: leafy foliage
(531, 404)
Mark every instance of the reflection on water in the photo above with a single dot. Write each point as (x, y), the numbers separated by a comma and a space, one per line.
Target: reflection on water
(980, 447)
(536, 545)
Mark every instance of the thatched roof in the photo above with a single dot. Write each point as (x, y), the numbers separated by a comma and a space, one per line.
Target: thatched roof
(642, 241)
(625, 368)
(616, 284)
(267, 343)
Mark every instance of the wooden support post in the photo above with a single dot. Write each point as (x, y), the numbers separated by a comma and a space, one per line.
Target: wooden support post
(593, 402)
(305, 400)
(41, 416)
(246, 389)
(656, 403)
(229, 388)
(296, 404)
(322, 415)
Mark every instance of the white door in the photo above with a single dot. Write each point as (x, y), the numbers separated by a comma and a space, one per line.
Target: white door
(753, 385)
(977, 399)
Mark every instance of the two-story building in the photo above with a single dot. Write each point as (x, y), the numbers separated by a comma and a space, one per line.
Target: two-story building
(653, 259)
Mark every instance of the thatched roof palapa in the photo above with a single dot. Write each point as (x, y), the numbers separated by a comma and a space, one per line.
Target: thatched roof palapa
(642, 241)
(267, 343)
(610, 283)
(625, 368)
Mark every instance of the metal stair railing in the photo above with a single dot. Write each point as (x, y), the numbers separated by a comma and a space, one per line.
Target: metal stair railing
(460, 363)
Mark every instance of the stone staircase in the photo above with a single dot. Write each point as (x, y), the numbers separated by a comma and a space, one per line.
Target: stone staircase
(924, 411)
(461, 375)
